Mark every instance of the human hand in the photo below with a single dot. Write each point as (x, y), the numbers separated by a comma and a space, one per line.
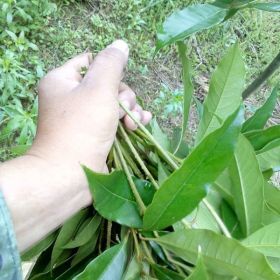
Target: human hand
(78, 119)
(78, 116)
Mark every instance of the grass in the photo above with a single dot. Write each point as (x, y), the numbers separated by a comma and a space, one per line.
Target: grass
(79, 26)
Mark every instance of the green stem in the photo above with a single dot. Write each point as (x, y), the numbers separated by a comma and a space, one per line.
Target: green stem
(217, 218)
(137, 157)
(174, 165)
(169, 258)
(185, 267)
(151, 138)
(137, 196)
(109, 232)
(131, 163)
(270, 69)
(116, 160)
(148, 253)
(137, 247)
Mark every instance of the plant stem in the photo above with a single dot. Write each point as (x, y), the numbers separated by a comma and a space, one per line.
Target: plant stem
(148, 253)
(137, 196)
(151, 138)
(270, 69)
(116, 160)
(137, 157)
(131, 163)
(174, 165)
(137, 247)
(109, 231)
(188, 269)
(217, 218)
(169, 258)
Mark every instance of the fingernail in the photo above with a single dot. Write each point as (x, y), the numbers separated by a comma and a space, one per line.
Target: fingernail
(120, 45)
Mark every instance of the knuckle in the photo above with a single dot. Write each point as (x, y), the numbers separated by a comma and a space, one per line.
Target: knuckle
(49, 78)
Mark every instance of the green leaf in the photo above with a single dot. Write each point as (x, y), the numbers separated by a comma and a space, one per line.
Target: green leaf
(85, 250)
(272, 197)
(145, 189)
(221, 255)
(269, 7)
(187, 186)
(200, 271)
(159, 136)
(201, 216)
(261, 137)
(225, 91)
(39, 247)
(163, 273)
(188, 89)
(183, 149)
(247, 186)
(266, 240)
(261, 116)
(223, 186)
(113, 198)
(84, 235)
(268, 156)
(182, 24)
(110, 263)
(66, 233)
(230, 220)
(232, 4)
(133, 270)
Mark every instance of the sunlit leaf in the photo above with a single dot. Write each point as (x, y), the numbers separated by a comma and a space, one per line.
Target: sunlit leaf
(110, 263)
(266, 240)
(225, 91)
(221, 255)
(113, 198)
(247, 186)
(187, 186)
(182, 24)
(261, 116)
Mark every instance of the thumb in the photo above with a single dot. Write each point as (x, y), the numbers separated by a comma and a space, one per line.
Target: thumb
(106, 70)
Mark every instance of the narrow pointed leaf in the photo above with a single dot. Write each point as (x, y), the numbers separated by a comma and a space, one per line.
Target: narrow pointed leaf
(230, 220)
(188, 89)
(67, 231)
(269, 7)
(200, 271)
(272, 197)
(109, 264)
(225, 91)
(261, 137)
(269, 156)
(113, 198)
(247, 186)
(187, 186)
(133, 270)
(182, 24)
(163, 273)
(85, 234)
(221, 255)
(266, 240)
(85, 250)
(261, 116)
(39, 247)
(159, 135)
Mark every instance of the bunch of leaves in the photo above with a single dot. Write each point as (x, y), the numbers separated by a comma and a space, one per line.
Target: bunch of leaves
(20, 67)
(164, 212)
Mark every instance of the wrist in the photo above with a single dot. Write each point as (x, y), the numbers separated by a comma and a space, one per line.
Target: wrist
(41, 195)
